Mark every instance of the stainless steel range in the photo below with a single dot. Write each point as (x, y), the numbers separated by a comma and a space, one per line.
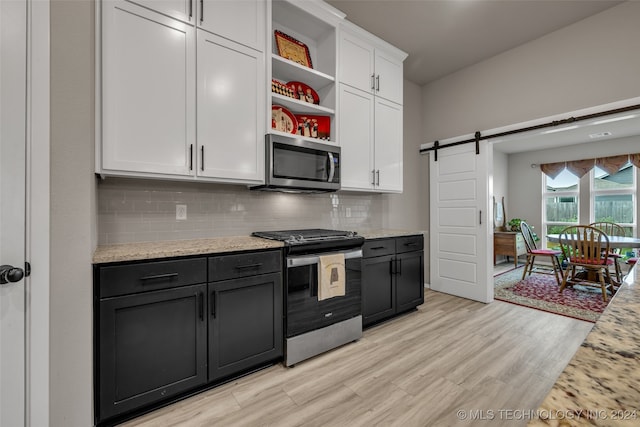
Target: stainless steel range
(313, 326)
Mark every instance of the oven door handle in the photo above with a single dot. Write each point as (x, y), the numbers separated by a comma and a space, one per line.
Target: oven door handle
(299, 261)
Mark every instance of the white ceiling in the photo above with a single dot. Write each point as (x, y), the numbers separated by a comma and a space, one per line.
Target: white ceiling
(443, 36)
(620, 125)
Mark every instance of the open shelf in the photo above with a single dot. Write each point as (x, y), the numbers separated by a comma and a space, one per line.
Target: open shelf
(297, 106)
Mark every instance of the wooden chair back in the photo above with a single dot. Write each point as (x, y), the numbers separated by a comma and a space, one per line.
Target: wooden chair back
(527, 234)
(610, 228)
(585, 245)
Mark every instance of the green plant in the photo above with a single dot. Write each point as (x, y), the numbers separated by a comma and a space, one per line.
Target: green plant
(514, 224)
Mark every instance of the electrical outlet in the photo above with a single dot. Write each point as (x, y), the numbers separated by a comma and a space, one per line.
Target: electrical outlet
(181, 212)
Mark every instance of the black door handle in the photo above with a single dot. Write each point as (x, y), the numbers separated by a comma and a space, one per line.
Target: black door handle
(10, 274)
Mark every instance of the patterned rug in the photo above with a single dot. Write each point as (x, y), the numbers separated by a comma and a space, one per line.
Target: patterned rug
(540, 291)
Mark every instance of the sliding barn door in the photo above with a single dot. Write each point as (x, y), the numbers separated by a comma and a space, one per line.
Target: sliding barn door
(461, 248)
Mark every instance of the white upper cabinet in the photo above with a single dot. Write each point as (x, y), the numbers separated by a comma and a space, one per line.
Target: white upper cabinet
(161, 72)
(356, 132)
(148, 91)
(231, 100)
(370, 113)
(242, 21)
(388, 162)
(369, 64)
(183, 10)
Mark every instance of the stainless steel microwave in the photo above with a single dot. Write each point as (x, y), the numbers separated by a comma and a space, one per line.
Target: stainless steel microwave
(298, 165)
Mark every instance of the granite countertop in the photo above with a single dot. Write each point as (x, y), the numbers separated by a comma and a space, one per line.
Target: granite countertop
(379, 234)
(601, 384)
(167, 249)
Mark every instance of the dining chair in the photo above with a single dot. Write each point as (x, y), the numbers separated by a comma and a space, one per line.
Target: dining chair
(613, 229)
(588, 248)
(533, 252)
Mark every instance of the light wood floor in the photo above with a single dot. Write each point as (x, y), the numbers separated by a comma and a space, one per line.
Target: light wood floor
(417, 370)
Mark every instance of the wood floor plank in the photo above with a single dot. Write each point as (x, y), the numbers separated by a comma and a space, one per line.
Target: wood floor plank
(416, 370)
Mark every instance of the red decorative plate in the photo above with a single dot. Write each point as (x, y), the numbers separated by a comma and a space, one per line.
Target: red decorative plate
(304, 92)
(283, 119)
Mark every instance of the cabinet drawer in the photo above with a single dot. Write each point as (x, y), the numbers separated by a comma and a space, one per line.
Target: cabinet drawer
(378, 247)
(409, 244)
(242, 265)
(151, 276)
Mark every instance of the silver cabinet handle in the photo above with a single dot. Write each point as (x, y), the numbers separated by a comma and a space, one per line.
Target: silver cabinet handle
(378, 83)
(373, 81)
(202, 158)
(190, 9)
(378, 177)
(373, 177)
(201, 11)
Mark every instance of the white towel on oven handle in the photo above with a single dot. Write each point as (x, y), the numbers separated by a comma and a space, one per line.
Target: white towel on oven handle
(331, 276)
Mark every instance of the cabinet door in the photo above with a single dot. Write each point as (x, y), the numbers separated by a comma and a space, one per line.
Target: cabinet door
(183, 10)
(409, 280)
(388, 145)
(148, 91)
(231, 118)
(151, 346)
(389, 79)
(241, 21)
(378, 293)
(356, 63)
(356, 136)
(245, 323)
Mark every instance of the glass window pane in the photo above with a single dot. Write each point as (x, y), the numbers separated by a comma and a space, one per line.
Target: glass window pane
(561, 209)
(621, 179)
(565, 181)
(614, 208)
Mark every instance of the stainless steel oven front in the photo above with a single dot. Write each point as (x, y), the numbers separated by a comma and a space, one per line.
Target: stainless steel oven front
(313, 326)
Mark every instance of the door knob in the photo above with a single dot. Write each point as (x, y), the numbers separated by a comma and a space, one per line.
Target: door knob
(10, 274)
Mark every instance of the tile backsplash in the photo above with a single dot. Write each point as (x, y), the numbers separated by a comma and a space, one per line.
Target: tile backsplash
(138, 210)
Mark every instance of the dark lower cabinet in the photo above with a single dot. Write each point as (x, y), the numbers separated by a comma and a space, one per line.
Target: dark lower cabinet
(392, 277)
(152, 346)
(245, 327)
(164, 329)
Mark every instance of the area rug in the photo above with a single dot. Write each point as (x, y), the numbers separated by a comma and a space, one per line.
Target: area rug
(540, 291)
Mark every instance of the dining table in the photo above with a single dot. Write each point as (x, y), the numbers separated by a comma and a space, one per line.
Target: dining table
(615, 242)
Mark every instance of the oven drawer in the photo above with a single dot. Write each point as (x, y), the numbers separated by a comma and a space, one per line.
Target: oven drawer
(151, 276)
(378, 247)
(243, 265)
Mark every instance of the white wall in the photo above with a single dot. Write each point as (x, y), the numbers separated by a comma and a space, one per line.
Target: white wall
(72, 213)
(592, 62)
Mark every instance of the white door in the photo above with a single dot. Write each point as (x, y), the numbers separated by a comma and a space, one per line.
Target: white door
(356, 138)
(461, 250)
(241, 21)
(389, 77)
(12, 210)
(388, 146)
(185, 10)
(148, 91)
(231, 102)
(356, 62)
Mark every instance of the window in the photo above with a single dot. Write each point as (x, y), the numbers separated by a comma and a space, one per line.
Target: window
(561, 202)
(613, 197)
